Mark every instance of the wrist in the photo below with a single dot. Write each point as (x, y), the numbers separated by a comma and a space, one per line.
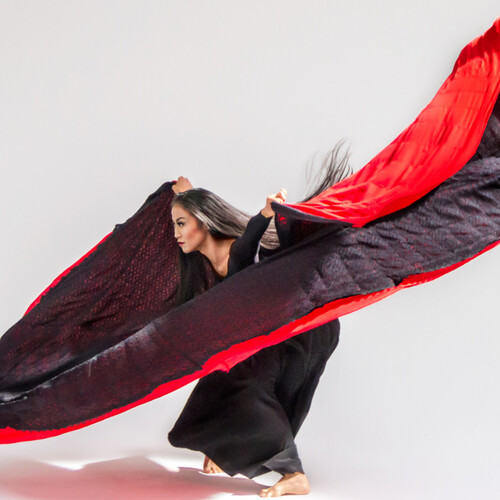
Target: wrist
(267, 213)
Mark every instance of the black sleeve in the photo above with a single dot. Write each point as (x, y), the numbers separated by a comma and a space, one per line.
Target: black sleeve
(244, 248)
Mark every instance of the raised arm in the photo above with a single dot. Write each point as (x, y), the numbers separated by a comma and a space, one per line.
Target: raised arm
(244, 248)
(181, 184)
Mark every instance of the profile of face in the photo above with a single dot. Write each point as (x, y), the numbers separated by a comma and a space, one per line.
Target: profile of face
(188, 232)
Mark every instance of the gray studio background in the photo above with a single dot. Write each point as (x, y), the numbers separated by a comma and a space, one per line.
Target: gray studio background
(101, 102)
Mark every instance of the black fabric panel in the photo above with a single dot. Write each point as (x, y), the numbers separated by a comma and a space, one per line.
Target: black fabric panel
(119, 288)
(453, 223)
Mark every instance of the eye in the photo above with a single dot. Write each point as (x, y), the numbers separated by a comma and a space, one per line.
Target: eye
(180, 224)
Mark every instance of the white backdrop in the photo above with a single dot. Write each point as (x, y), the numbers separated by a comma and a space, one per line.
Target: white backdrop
(101, 102)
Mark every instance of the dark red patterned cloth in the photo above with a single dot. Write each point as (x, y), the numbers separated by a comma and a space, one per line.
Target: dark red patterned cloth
(105, 336)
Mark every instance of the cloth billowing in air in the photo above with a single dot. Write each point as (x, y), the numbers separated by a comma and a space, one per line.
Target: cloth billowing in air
(105, 336)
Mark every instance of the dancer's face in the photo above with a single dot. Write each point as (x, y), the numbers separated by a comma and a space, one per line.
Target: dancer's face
(188, 232)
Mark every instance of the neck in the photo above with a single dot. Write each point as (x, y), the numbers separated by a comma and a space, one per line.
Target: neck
(217, 252)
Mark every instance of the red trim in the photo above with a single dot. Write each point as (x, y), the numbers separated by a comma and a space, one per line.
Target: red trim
(64, 273)
(226, 359)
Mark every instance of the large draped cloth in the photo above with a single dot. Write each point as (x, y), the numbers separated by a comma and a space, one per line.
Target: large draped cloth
(105, 335)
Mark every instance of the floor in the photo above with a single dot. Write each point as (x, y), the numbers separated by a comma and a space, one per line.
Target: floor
(125, 478)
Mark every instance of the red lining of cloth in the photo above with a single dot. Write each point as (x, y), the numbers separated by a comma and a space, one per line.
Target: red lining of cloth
(435, 146)
(237, 353)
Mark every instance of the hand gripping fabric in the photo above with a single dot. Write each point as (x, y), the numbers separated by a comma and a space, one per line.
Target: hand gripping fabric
(105, 336)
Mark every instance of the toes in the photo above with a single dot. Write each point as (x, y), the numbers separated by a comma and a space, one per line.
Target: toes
(211, 468)
(267, 492)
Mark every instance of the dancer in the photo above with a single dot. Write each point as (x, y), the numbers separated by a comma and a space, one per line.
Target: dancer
(105, 335)
(245, 420)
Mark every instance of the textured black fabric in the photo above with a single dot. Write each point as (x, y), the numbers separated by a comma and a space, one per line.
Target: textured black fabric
(82, 352)
(122, 286)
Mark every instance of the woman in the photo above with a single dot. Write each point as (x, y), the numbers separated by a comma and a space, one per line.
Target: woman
(244, 420)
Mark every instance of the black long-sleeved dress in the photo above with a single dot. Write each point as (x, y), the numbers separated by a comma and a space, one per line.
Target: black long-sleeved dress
(246, 420)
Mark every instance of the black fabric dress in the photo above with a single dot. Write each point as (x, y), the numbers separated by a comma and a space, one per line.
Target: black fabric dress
(246, 419)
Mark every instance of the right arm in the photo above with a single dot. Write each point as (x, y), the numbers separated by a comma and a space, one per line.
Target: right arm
(280, 197)
(181, 184)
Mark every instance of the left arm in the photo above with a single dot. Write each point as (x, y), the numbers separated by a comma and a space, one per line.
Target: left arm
(244, 248)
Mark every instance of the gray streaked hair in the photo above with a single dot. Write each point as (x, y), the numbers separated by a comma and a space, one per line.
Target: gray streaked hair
(225, 221)
(222, 220)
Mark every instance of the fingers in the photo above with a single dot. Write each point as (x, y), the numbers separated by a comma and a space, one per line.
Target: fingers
(281, 196)
(184, 181)
(182, 184)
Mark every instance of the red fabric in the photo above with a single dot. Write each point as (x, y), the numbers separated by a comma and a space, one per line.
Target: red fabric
(434, 147)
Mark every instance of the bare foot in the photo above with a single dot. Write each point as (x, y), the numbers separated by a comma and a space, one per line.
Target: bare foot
(210, 467)
(289, 484)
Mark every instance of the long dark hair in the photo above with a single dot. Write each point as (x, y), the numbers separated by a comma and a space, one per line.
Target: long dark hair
(334, 168)
(224, 221)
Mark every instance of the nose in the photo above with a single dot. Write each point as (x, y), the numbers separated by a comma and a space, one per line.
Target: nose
(176, 233)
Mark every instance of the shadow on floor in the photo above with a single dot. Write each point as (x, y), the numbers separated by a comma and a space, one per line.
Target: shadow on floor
(128, 479)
